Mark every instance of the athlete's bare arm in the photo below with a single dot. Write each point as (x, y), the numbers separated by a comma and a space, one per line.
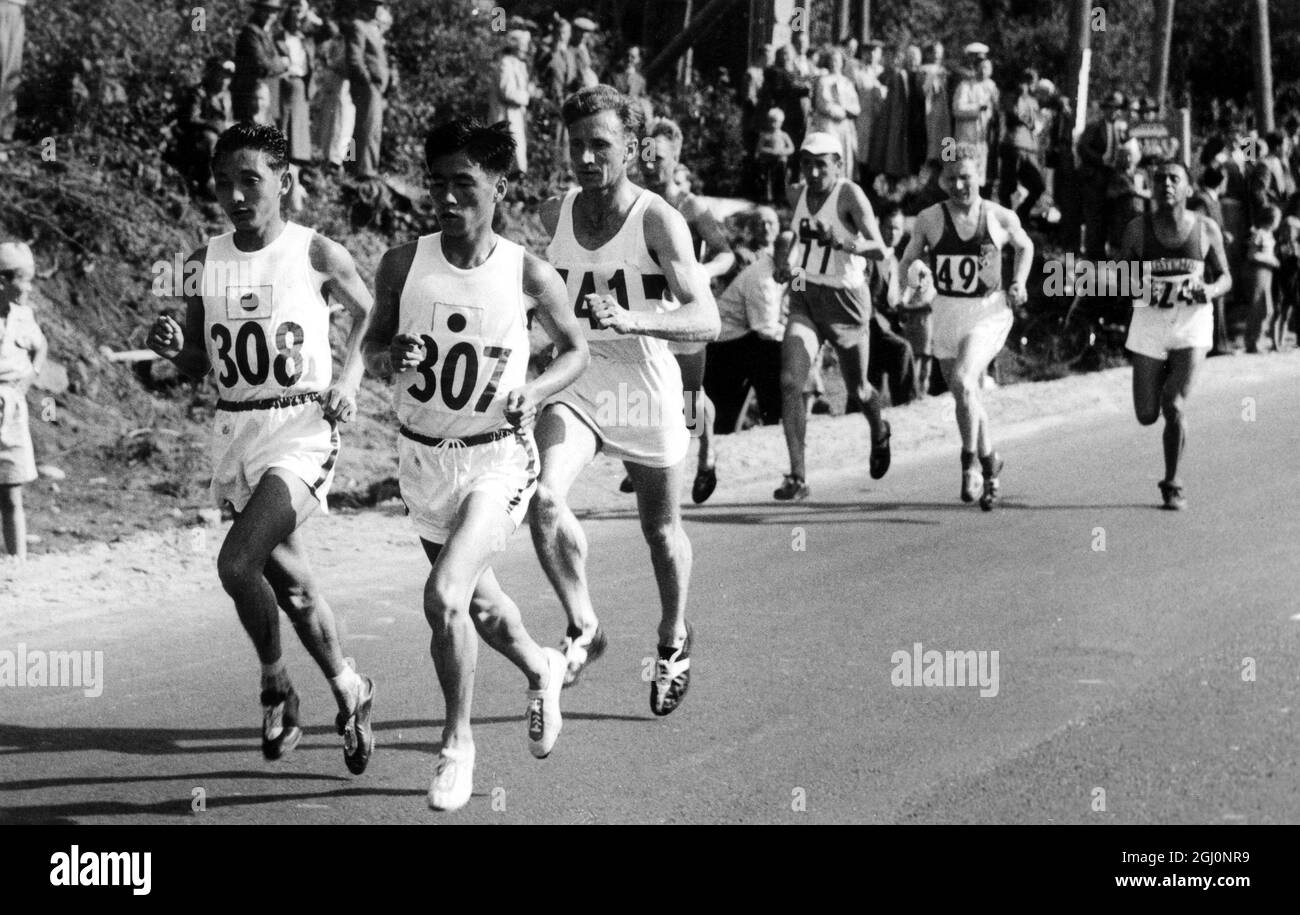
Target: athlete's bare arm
(855, 212)
(186, 347)
(1216, 255)
(669, 241)
(379, 348)
(1130, 246)
(1023, 246)
(926, 231)
(546, 290)
(344, 285)
(718, 247)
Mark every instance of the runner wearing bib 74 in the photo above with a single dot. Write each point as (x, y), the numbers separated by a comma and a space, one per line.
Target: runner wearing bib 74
(1173, 320)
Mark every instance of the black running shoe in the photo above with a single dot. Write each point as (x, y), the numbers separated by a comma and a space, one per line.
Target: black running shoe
(672, 676)
(358, 737)
(280, 730)
(880, 454)
(1172, 493)
(706, 481)
(992, 488)
(792, 489)
(627, 485)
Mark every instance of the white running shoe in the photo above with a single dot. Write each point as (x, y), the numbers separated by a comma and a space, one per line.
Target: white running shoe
(543, 712)
(580, 650)
(453, 779)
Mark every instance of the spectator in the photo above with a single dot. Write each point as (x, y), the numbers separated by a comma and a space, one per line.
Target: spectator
(258, 63)
(1288, 277)
(1056, 136)
(927, 190)
(938, 105)
(1128, 195)
(891, 147)
(584, 71)
(335, 117)
(22, 357)
(747, 352)
(915, 325)
(12, 37)
(891, 355)
(972, 108)
(205, 114)
(1206, 200)
(301, 29)
(631, 82)
(993, 129)
(512, 92)
(1262, 263)
(1020, 149)
(369, 78)
(871, 102)
(1266, 179)
(783, 89)
(561, 63)
(775, 147)
(835, 105)
(1099, 144)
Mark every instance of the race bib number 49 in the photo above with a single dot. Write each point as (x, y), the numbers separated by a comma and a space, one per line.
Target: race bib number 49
(957, 273)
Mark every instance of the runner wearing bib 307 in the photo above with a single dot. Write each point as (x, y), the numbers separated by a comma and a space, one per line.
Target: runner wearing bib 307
(834, 232)
(964, 237)
(1173, 319)
(451, 325)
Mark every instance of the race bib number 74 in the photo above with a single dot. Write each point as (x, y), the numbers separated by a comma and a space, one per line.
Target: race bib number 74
(1170, 291)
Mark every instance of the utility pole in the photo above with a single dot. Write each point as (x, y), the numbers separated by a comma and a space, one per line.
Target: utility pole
(1159, 82)
(1262, 50)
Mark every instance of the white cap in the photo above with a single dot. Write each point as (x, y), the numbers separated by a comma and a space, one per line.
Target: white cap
(820, 143)
(977, 49)
(15, 255)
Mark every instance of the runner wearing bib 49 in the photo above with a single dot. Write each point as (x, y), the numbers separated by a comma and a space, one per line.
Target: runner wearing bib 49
(963, 237)
(1173, 321)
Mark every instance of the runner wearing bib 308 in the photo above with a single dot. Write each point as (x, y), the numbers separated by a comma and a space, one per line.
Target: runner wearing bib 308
(634, 281)
(1173, 320)
(260, 321)
(964, 237)
(451, 324)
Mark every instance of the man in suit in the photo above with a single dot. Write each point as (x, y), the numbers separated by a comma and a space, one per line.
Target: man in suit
(1098, 145)
(370, 77)
(513, 90)
(258, 62)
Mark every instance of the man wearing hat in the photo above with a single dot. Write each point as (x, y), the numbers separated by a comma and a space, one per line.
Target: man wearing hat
(12, 32)
(22, 356)
(512, 92)
(973, 107)
(835, 231)
(1098, 145)
(208, 112)
(369, 78)
(258, 62)
(586, 73)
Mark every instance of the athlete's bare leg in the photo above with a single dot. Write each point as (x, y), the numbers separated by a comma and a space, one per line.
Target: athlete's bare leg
(692, 369)
(566, 445)
(963, 376)
(853, 367)
(1183, 365)
(462, 595)
(13, 520)
(798, 348)
(657, 491)
(259, 549)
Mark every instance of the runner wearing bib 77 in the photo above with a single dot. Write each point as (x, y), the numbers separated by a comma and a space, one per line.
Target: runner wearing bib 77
(1173, 320)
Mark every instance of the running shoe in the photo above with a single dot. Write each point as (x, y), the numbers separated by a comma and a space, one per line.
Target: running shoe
(992, 488)
(792, 489)
(1173, 496)
(706, 480)
(453, 779)
(970, 484)
(880, 454)
(580, 650)
(358, 738)
(672, 676)
(543, 712)
(280, 730)
(627, 485)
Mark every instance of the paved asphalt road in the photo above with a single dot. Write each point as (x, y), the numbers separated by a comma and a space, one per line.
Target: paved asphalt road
(1121, 669)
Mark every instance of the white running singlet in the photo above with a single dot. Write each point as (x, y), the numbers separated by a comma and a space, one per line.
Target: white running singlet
(265, 322)
(823, 266)
(474, 327)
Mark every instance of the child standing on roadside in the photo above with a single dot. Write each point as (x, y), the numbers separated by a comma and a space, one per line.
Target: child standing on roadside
(22, 356)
